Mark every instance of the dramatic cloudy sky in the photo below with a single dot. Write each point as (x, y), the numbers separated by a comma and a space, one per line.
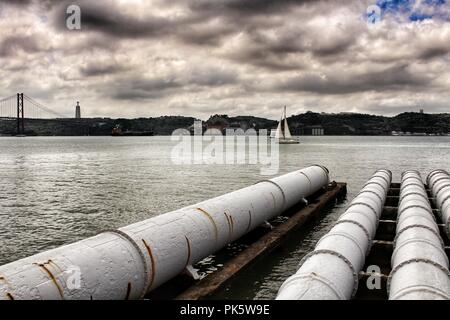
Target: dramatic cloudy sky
(241, 57)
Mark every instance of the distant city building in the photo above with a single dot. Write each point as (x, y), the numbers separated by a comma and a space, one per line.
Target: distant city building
(421, 110)
(316, 130)
(78, 111)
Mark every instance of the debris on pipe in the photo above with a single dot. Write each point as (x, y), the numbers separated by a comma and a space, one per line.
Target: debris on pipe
(419, 262)
(129, 262)
(331, 271)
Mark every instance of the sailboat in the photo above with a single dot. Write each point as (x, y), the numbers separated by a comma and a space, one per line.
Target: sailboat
(282, 134)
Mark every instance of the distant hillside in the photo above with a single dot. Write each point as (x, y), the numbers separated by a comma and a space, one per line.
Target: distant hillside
(243, 122)
(347, 123)
(302, 124)
(418, 122)
(365, 124)
(341, 124)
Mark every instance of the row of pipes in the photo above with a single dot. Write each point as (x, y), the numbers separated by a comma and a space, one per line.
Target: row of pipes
(419, 262)
(331, 271)
(420, 267)
(439, 184)
(129, 262)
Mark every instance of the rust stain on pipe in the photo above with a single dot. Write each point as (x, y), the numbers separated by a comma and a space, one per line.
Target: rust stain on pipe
(309, 180)
(264, 245)
(232, 223)
(127, 297)
(51, 262)
(9, 295)
(249, 221)
(274, 200)
(152, 259)
(210, 219)
(229, 226)
(188, 260)
(52, 277)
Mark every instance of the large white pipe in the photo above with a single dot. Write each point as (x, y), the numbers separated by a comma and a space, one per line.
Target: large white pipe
(439, 183)
(331, 271)
(131, 261)
(419, 262)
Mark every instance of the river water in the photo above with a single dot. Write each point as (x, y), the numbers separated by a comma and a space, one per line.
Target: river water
(57, 190)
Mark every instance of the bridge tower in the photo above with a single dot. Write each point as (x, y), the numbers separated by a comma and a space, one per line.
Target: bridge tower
(20, 115)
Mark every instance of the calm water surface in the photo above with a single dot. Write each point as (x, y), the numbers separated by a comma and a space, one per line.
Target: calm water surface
(58, 190)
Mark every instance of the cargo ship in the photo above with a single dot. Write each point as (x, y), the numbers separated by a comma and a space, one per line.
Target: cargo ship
(118, 132)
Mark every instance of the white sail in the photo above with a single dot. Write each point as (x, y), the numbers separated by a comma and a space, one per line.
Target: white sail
(287, 132)
(279, 132)
(282, 134)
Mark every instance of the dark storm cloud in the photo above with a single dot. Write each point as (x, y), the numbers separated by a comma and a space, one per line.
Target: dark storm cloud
(11, 46)
(261, 5)
(395, 78)
(271, 53)
(246, 7)
(118, 25)
(259, 57)
(95, 69)
(145, 88)
(17, 2)
(141, 88)
(205, 34)
(433, 52)
(211, 77)
(107, 18)
(218, 6)
(284, 46)
(236, 17)
(47, 4)
(332, 47)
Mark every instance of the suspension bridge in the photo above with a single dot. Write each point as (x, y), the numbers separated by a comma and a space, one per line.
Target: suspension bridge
(20, 108)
